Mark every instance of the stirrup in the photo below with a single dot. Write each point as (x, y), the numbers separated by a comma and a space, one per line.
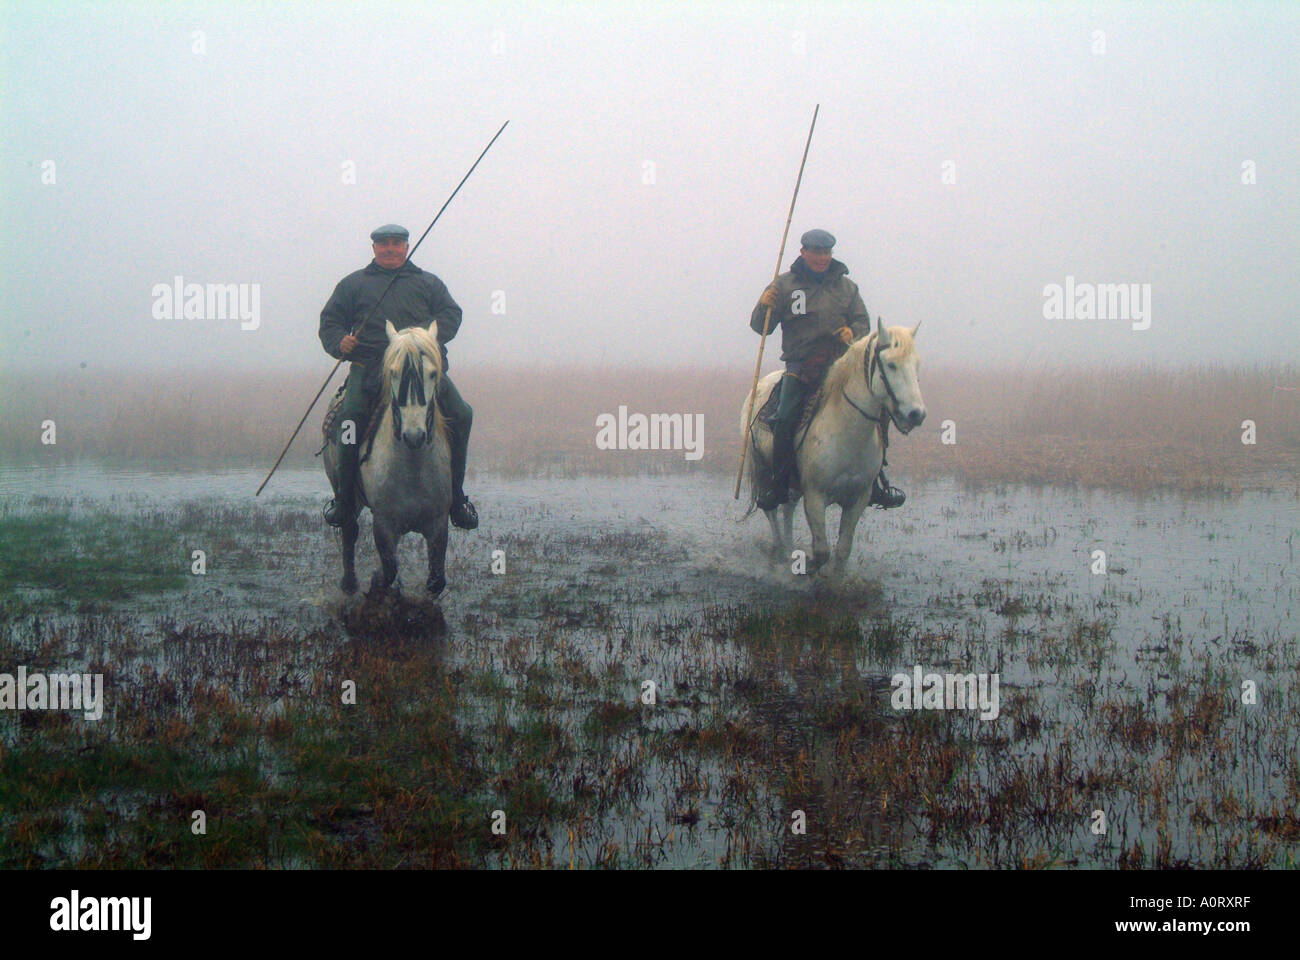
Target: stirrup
(334, 513)
(463, 514)
(777, 493)
(886, 496)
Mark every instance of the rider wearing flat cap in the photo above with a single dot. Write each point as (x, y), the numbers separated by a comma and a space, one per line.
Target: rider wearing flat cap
(820, 312)
(417, 298)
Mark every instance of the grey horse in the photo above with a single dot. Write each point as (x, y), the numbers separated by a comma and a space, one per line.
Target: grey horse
(406, 478)
(841, 449)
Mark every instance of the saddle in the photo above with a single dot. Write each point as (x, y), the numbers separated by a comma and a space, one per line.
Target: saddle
(767, 412)
(332, 416)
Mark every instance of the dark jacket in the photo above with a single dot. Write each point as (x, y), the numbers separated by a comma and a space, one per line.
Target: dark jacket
(417, 298)
(831, 301)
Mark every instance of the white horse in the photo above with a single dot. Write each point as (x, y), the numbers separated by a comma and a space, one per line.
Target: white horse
(406, 478)
(840, 450)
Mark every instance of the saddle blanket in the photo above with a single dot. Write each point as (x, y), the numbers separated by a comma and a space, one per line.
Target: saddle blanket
(767, 412)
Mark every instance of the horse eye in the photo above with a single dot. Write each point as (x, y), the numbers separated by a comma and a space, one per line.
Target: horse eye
(893, 365)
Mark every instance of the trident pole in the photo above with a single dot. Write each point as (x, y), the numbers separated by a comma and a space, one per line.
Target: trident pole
(373, 311)
(767, 320)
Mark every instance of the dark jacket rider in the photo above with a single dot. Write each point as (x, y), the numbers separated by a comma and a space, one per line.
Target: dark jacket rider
(416, 298)
(820, 312)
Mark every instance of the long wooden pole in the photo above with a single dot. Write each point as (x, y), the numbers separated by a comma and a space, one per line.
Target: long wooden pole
(373, 310)
(767, 319)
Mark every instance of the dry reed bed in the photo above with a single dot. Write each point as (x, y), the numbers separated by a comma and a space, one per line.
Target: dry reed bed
(1138, 429)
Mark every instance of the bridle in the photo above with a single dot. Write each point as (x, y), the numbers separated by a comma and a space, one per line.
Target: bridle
(871, 364)
(410, 389)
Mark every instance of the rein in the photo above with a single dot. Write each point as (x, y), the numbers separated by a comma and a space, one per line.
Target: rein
(875, 364)
(871, 364)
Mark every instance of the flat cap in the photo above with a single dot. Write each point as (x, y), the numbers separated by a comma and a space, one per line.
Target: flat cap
(389, 230)
(817, 240)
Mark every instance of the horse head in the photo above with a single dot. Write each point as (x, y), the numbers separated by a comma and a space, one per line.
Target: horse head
(892, 363)
(413, 365)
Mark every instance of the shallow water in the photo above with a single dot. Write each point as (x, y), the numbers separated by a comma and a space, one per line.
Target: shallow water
(1225, 567)
(989, 580)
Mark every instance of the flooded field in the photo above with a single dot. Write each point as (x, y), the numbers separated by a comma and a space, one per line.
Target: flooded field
(616, 676)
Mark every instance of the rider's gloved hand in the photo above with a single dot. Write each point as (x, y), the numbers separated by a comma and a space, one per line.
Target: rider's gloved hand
(845, 334)
(347, 344)
(769, 297)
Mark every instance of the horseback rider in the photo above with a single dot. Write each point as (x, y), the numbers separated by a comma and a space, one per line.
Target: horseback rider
(416, 298)
(820, 312)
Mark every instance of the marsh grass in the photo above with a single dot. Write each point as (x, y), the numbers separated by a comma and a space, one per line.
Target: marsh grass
(88, 553)
(527, 700)
(1137, 429)
(86, 558)
(286, 774)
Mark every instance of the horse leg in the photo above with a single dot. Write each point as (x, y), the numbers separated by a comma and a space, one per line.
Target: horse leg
(386, 546)
(778, 544)
(787, 523)
(435, 538)
(349, 582)
(814, 508)
(849, 518)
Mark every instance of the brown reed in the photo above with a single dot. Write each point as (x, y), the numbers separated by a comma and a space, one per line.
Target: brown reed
(1137, 429)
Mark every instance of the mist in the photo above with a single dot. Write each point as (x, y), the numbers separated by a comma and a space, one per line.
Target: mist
(967, 157)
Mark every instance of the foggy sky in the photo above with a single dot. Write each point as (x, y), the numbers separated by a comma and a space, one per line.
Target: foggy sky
(227, 165)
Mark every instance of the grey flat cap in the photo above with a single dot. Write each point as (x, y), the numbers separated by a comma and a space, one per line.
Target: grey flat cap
(390, 230)
(817, 240)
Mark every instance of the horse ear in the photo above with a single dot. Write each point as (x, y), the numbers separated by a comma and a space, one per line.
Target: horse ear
(916, 328)
(433, 329)
(392, 330)
(882, 333)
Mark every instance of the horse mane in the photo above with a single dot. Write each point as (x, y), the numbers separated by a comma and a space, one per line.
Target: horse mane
(837, 378)
(415, 343)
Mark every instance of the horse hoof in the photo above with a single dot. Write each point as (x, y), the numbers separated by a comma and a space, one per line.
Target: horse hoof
(349, 584)
(436, 586)
(377, 585)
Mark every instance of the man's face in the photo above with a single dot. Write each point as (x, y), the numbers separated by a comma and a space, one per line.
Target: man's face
(818, 259)
(390, 253)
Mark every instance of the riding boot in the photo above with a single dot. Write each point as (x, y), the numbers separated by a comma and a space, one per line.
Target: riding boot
(344, 503)
(778, 491)
(789, 407)
(460, 420)
(883, 495)
(356, 412)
